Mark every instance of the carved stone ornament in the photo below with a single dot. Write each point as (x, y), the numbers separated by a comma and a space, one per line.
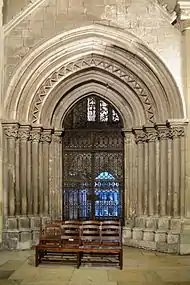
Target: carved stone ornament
(57, 138)
(11, 132)
(164, 134)
(177, 132)
(140, 137)
(152, 136)
(35, 136)
(92, 61)
(23, 134)
(46, 137)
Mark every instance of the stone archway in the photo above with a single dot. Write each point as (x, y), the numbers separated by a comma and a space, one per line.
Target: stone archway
(118, 68)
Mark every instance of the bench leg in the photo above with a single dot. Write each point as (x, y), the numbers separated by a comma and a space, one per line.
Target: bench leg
(37, 258)
(121, 259)
(78, 259)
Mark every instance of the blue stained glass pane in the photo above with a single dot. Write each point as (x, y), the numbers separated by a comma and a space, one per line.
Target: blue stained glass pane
(105, 175)
(107, 196)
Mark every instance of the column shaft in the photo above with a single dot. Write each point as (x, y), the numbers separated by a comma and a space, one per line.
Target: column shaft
(128, 171)
(30, 194)
(142, 171)
(24, 133)
(35, 137)
(170, 177)
(11, 132)
(145, 179)
(152, 137)
(157, 176)
(182, 180)
(41, 178)
(56, 175)
(176, 177)
(18, 191)
(163, 134)
(140, 178)
(45, 139)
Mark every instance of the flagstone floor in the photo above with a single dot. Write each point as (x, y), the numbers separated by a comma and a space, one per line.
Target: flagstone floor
(140, 268)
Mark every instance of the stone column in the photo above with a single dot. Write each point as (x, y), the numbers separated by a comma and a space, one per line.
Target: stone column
(177, 134)
(152, 137)
(46, 137)
(140, 141)
(23, 134)
(185, 24)
(35, 139)
(163, 137)
(56, 175)
(176, 171)
(128, 174)
(11, 132)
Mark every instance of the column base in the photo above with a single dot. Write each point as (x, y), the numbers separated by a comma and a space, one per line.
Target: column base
(162, 234)
(23, 232)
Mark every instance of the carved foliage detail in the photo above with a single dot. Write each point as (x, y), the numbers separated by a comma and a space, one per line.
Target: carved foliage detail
(35, 136)
(164, 134)
(177, 132)
(23, 134)
(92, 61)
(141, 136)
(46, 138)
(11, 132)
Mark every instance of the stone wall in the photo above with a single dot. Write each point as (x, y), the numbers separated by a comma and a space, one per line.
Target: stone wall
(12, 8)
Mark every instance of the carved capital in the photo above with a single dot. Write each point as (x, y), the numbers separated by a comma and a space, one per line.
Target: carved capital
(57, 136)
(11, 130)
(177, 128)
(163, 132)
(152, 134)
(128, 135)
(24, 133)
(46, 136)
(35, 134)
(177, 132)
(140, 136)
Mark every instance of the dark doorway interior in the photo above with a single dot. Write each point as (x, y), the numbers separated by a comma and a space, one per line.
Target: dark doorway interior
(93, 162)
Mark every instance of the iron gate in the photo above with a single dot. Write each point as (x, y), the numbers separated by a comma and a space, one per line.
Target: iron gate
(93, 174)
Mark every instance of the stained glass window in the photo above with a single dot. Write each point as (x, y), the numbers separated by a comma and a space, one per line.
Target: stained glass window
(107, 195)
(104, 111)
(92, 110)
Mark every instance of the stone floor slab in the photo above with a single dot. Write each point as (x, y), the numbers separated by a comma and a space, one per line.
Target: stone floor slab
(11, 265)
(140, 268)
(128, 275)
(174, 275)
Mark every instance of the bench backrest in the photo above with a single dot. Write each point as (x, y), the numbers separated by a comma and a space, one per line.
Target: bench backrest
(91, 233)
(70, 234)
(51, 230)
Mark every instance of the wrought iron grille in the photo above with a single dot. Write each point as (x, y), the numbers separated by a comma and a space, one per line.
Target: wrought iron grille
(93, 162)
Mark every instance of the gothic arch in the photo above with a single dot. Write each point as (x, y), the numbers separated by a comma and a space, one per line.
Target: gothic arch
(115, 53)
(116, 66)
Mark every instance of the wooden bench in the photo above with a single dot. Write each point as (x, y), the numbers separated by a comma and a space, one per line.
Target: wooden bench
(90, 241)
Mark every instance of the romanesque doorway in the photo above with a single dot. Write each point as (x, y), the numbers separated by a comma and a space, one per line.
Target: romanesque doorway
(93, 161)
